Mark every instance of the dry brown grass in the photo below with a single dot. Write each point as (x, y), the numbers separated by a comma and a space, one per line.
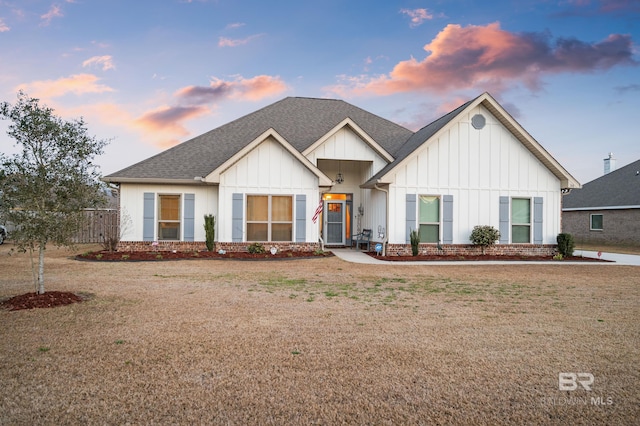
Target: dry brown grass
(320, 342)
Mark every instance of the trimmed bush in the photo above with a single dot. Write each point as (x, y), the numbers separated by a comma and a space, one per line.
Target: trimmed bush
(256, 248)
(210, 230)
(484, 236)
(415, 242)
(566, 244)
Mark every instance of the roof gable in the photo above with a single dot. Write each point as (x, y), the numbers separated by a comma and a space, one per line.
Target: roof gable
(619, 188)
(433, 131)
(214, 177)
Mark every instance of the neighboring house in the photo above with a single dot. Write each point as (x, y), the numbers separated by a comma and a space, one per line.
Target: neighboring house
(606, 210)
(265, 176)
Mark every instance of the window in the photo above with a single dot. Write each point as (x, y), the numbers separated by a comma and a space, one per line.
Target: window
(520, 220)
(429, 219)
(596, 222)
(269, 218)
(169, 217)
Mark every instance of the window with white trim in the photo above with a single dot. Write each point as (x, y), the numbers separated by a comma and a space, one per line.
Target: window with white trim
(429, 218)
(269, 218)
(520, 220)
(596, 222)
(168, 217)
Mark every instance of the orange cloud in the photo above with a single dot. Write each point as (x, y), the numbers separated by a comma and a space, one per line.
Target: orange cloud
(164, 125)
(78, 84)
(490, 57)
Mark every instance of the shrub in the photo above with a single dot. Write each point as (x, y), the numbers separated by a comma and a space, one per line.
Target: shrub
(210, 230)
(484, 236)
(565, 244)
(256, 248)
(415, 242)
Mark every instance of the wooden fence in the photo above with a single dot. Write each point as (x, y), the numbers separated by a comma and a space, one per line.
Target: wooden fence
(98, 226)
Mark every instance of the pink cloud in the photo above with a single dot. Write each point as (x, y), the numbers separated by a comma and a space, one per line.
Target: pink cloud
(78, 84)
(106, 62)
(418, 16)
(164, 127)
(227, 42)
(3, 27)
(252, 89)
(489, 58)
(54, 12)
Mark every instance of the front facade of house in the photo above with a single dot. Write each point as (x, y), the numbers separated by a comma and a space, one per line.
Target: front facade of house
(304, 173)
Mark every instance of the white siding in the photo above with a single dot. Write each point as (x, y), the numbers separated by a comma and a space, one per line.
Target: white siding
(268, 169)
(476, 167)
(345, 144)
(131, 206)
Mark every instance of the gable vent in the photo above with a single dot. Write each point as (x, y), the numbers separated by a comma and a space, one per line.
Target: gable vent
(478, 121)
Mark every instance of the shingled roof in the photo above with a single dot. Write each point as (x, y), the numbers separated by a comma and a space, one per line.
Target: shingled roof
(617, 189)
(301, 121)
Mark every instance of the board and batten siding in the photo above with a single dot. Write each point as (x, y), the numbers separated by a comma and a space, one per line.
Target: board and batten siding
(268, 169)
(132, 200)
(476, 167)
(345, 144)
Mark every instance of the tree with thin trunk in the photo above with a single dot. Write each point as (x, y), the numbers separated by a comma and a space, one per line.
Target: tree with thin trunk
(46, 186)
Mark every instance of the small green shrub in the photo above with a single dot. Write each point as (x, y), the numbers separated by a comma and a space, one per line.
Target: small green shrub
(99, 256)
(484, 236)
(558, 256)
(256, 248)
(210, 230)
(566, 244)
(415, 242)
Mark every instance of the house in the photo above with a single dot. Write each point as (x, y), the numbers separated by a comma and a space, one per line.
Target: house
(305, 173)
(607, 209)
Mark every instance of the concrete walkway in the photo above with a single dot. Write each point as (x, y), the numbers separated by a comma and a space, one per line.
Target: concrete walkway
(357, 256)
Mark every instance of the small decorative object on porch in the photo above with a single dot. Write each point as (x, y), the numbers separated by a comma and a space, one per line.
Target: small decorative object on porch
(378, 249)
(274, 250)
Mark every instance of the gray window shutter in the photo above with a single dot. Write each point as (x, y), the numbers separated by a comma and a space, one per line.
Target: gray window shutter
(504, 220)
(148, 216)
(301, 218)
(189, 216)
(237, 217)
(411, 216)
(447, 219)
(537, 220)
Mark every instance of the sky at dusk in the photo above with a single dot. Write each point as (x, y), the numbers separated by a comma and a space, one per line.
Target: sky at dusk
(152, 74)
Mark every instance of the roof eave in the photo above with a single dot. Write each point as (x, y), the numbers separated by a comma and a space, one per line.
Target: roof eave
(161, 181)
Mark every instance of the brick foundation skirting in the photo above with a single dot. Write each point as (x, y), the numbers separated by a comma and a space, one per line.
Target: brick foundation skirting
(201, 246)
(470, 249)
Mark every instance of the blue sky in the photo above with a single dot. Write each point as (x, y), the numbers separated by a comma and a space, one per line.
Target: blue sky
(151, 74)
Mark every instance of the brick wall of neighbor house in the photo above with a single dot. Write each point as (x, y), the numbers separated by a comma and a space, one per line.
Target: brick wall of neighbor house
(470, 250)
(619, 227)
(201, 246)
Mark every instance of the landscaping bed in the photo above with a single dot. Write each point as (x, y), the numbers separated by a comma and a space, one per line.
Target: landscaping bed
(486, 257)
(154, 256)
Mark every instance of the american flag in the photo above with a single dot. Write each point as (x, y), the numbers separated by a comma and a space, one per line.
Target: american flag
(317, 213)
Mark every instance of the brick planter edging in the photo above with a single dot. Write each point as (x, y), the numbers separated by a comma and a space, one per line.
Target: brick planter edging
(473, 250)
(201, 246)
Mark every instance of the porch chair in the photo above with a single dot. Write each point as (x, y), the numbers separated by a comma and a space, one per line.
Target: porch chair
(363, 238)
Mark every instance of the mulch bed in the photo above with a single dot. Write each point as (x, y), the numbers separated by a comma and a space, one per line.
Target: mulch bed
(139, 256)
(480, 258)
(49, 299)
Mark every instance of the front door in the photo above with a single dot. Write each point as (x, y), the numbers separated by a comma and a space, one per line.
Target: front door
(334, 222)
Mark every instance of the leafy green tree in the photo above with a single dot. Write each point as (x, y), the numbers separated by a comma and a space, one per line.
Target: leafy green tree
(46, 186)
